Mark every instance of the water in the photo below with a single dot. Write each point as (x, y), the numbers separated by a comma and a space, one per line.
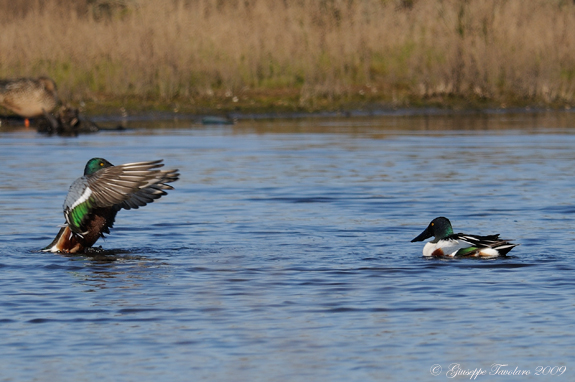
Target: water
(284, 253)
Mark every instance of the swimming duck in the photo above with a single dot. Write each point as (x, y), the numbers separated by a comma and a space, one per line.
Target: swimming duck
(94, 199)
(29, 97)
(447, 243)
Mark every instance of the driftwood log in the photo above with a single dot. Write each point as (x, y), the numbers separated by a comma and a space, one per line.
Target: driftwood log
(66, 122)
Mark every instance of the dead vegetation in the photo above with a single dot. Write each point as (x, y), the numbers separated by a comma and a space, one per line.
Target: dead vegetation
(317, 51)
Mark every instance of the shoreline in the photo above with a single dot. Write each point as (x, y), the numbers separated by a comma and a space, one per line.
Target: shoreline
(108, 114)
(220, 111)
(222, 117)
(276, 107)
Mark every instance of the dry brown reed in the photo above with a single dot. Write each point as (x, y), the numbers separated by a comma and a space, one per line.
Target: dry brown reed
(393, 51)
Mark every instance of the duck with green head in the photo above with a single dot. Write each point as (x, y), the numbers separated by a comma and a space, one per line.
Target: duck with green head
(94, 199)
(447, 243)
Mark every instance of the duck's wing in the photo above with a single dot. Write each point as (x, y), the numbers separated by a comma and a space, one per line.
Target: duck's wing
(449, 246)
(130, 185)
(152, 190)
(7, 89)
(14, 86)
(479, 244)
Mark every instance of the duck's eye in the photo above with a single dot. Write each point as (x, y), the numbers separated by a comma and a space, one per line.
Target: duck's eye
(101, 164)
(432, 224)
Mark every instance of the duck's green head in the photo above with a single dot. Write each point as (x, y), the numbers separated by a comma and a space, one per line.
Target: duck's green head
(96, 164)
(439, 227)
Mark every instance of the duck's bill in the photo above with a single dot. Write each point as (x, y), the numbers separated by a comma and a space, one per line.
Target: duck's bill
(422, 236)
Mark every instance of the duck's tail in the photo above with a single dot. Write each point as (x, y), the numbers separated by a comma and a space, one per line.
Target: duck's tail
(65, 242)
(504, 247)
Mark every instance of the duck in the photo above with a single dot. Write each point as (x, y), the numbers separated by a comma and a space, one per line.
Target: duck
(29, 97)
(94, 199)
(449, 244)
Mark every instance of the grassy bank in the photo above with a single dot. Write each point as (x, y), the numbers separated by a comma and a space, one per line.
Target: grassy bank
(200, 55)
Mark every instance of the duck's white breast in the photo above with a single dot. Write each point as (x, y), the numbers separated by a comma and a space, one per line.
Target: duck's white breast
(444, 248)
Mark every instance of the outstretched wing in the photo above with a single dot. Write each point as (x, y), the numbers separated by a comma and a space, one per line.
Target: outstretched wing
(126, 186)
(154, 189)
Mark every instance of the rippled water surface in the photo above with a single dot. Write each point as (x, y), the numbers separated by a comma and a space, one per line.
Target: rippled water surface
(284, 253)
